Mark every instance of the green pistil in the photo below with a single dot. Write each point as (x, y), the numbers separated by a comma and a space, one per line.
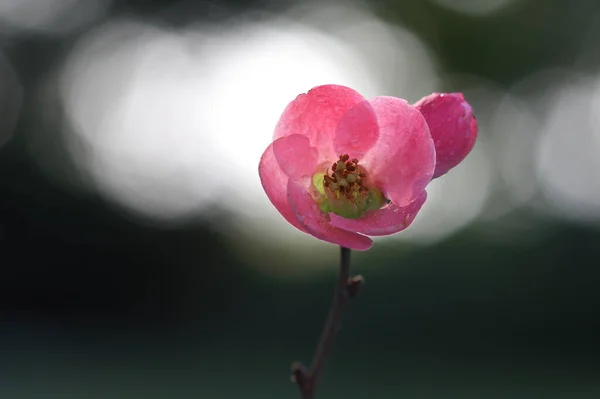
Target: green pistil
(322, 200)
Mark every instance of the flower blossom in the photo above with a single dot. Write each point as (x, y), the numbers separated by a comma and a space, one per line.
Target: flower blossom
(343, 168)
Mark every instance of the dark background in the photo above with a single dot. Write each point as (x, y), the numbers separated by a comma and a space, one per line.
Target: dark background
(95, 303)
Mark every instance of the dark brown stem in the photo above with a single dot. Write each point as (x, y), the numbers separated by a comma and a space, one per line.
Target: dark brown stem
(346, 289)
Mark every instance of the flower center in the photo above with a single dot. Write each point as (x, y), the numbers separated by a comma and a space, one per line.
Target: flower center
(344, 191)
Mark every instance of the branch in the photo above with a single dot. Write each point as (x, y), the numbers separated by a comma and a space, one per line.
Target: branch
(347, 287)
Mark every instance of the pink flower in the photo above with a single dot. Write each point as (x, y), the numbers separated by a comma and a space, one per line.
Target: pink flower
(342, 168)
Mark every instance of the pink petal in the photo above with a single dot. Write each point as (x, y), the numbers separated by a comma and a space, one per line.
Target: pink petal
(402, 161)
(316, 115)
(452, 126)
(295, 156)
(357, 131)
(275, 182)
(316, 222)
(388, 220)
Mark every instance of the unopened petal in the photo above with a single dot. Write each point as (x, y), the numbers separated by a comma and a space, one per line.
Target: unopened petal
(317, 223)
(295, 156)
(317, 115)
(402, 161)
(388, 220)
(452, 126)
(275, 183)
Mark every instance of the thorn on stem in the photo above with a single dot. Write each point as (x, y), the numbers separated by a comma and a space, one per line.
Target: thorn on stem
(299, 373)
(354, 284)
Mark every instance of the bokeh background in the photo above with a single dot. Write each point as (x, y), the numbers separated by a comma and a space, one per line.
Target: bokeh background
(139, 257)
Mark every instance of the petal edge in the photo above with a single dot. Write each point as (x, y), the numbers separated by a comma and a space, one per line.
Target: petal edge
(317, 223)
(275, 183)
(389, 220)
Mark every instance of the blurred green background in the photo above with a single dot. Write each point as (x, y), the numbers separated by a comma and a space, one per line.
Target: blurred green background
(119, 281)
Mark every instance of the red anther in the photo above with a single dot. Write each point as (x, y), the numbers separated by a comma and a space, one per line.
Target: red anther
(351, 189)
